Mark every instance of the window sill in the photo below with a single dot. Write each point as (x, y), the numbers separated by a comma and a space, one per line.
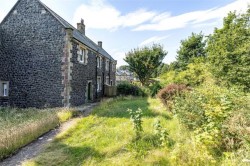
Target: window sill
(83, 63)
(4, 97)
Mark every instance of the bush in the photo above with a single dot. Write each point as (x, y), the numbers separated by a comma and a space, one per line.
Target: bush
(129, 89)
(167, 94)
(190, 109)
(218, 116)
(154, 89)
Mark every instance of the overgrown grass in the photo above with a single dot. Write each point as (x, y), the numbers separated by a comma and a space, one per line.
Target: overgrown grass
(106, 137)
(21, 126)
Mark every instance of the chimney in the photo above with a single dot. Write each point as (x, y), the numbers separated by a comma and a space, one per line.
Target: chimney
(81, 27)
(100, 44)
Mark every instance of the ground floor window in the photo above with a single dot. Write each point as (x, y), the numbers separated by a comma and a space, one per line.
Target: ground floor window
(4, 88)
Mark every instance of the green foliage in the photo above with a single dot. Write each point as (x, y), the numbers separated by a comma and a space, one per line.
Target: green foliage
(145, 61)
(216, 116)
(154, 88)
(190, 110)
(136, 118)
(124, 67)
(192, 47)
(161, 134)
(129, 89)
(228, 50)
(196, 74)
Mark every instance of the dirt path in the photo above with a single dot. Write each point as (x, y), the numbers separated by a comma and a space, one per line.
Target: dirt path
(34, 148)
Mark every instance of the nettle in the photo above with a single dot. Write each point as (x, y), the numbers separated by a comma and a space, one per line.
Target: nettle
(161, 134)
(136, 118)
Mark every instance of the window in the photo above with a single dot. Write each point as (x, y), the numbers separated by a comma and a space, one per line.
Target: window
(113, 67)
(111, 83)
(99, 61)
(4, 87)
(83, 56)
(99, 84)
(107, 65)
(107, 80)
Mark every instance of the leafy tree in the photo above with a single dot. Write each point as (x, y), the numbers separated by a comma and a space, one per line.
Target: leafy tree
(145, 61)
(192, 47)
(229, 50)
(124, 67)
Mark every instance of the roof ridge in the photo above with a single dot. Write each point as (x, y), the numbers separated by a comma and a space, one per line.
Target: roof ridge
(66, 24)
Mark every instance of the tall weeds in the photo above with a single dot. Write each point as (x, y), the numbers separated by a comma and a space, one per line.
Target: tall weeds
(20, 127)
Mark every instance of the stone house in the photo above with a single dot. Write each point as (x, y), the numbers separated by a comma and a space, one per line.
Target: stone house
(46, 62)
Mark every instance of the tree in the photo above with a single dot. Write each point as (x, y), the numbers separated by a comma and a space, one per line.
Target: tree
(192, 47)
(229, 50)
(145, 61)
(124, 68)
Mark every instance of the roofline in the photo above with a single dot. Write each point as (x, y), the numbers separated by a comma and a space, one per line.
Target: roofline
(10, 12)
(55, 15)
(93, 49)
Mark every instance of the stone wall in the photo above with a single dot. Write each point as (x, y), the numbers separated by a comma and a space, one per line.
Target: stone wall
(33, 41)
(81, 74)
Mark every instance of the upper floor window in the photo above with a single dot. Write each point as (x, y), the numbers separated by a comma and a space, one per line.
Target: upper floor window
(83, 55)
(107, 80)
(4, 88)
(113, 67)
(107, 65)
(99, 62)
(99, 83)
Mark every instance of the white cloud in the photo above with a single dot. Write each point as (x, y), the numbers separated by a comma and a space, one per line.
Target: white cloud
(153, 39)
(119, 56)
(99, 14)
(165, 21)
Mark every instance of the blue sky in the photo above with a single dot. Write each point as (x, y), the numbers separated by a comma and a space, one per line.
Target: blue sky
(126, 24)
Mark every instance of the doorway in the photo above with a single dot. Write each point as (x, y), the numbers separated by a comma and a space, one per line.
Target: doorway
(89, 91)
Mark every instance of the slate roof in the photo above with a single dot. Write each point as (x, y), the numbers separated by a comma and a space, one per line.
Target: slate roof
(77, 34)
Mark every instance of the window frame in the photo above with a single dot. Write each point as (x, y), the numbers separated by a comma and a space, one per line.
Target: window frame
(82, 54)
(99, 61)
(4, 89)
(107, 80)
(99, 83)
(107, 65)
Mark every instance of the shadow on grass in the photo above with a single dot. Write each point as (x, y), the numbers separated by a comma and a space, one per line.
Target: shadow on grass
(66, 155)
(117, 108)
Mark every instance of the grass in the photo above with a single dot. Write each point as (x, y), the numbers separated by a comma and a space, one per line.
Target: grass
(106, 137)
(21, 126)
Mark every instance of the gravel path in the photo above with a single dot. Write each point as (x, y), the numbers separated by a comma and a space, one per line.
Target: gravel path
(34, 148)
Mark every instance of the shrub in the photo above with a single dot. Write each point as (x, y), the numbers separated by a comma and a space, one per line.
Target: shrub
(235, 129)
(129, 89)
(190, 109)
(154, 89)
(167, 94)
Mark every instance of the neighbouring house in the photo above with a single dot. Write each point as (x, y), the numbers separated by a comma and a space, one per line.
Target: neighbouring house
(46, 62)
(124, 76)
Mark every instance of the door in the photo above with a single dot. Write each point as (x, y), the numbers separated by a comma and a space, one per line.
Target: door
(90, 91)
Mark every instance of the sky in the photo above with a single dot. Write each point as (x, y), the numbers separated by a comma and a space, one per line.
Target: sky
(123, 25)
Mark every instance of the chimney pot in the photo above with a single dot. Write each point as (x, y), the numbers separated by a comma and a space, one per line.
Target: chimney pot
(81, 27)
(100, 44)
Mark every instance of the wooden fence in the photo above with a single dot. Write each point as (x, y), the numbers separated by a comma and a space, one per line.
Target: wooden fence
(110, 91)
